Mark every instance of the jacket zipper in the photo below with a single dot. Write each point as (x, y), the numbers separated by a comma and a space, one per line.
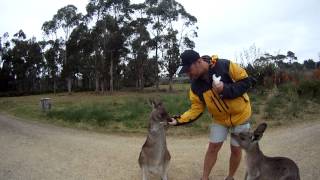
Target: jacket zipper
(231, 121)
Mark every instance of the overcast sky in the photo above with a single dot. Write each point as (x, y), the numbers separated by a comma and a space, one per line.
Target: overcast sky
(226, 27)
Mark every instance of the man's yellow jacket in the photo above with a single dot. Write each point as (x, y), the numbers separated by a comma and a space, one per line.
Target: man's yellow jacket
(229, 108)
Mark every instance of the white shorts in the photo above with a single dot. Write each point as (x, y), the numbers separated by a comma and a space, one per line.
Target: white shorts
(218, 133)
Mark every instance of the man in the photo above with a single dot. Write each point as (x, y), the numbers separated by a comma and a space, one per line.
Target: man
(226, 100)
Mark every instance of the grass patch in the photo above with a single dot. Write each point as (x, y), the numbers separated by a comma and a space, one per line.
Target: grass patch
(92, 114)
(129, 111)
(287, 105)
(276, 102)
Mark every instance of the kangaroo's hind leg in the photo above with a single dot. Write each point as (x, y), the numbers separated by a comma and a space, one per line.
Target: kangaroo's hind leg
(144, 173)
(164, 174)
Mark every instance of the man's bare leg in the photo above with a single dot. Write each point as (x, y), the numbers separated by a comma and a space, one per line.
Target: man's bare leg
(235, 160)
(210, 159)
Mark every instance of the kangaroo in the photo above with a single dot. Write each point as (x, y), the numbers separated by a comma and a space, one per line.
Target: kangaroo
(154, 156)
(261, 167)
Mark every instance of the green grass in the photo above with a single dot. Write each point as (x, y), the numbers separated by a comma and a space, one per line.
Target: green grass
(276, 102)
(124, 111)
(256, 101)
(287, 105)
(129, 111)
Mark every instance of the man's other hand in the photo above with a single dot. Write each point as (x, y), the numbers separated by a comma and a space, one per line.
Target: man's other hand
(218, 87)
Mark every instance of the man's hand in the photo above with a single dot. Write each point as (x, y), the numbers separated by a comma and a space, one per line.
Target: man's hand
(173, 121)
(218, 87)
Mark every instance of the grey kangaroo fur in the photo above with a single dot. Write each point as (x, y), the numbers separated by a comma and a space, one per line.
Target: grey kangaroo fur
(261, 167)
(154, 156)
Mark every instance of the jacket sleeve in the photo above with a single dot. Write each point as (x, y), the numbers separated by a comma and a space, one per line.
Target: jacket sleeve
(241, 82)
(196, 110)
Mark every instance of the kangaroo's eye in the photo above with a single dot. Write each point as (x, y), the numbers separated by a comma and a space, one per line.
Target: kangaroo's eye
(242, 138)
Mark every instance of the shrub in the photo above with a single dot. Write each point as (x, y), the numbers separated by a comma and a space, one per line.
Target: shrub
(309, 89)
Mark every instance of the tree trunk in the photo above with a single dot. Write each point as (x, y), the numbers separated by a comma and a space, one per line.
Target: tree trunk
(102, 86)
(111, 74)
(141, 79)
(157, 75)
(137, 84)
(96, 74)
(54, 85)
(97, 83)
(69, 80)
(142, 84)
(89, 84)
(40, 86)
(170, 84)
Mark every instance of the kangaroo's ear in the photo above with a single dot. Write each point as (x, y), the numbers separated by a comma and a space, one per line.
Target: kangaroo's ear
(155, 103)
(152, 103)
(159, 103)
(258, 133)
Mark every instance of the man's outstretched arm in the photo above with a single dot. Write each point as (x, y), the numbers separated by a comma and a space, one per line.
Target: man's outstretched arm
(196, 110)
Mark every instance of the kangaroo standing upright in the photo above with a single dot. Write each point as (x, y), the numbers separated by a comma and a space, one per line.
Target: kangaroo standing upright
(154, 157)
(261, 167)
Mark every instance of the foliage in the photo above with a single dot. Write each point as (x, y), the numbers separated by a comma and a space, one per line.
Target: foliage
(291, 101)
(118, 45)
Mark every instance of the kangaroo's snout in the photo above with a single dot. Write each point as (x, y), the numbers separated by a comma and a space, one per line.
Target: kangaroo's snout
(234, 135)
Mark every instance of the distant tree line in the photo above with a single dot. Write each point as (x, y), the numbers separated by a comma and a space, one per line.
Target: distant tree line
(118, 45)
(114, 45)
(273, 70)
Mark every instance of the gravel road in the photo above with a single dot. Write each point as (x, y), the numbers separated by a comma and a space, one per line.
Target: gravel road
(36, 151)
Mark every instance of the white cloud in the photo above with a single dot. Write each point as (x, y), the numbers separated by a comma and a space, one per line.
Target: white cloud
(30, 15)
(226, 27)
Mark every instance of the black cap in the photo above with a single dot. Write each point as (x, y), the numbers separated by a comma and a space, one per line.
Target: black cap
(188, 57)
(206, 58)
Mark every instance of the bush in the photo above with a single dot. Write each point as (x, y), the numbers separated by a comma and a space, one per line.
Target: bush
(288, 88)
(309, 89)
(273, 106)
(287, 104)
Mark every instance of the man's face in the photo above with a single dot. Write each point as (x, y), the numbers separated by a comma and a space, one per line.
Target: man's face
(196, 70)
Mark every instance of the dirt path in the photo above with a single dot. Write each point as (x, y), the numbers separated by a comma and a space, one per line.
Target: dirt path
(30, 150)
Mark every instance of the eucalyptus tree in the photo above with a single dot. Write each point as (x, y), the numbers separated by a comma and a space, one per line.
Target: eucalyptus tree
(111, 18)
(171, 54)
(172, 26)
(18, 59)
(65, 19)
(140, 42)
(26, 62)
(4, 46)
(6, 76)
(96, 11)
(54, 54)
(80, 49)
(116, 49)
(309, 64)
(291, 56)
